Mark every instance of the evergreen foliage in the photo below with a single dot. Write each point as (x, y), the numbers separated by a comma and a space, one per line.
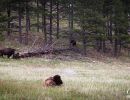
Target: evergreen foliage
(98, 20)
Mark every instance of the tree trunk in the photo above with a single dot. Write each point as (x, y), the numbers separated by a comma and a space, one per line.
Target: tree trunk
(57, 6)
(20, 22)
(100, 45)
(37, 16)
(9, 15)
(110, 34)
(27, 23)
(103, 46)
(116, 43)
(50, 33)
(84, 42)
(71, 21)
(104, 41)
(44, 20)
(116, 48)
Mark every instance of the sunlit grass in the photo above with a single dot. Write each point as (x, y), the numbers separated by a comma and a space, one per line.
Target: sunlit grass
(90, 80)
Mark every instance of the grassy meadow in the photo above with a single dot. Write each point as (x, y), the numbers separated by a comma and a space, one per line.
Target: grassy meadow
(83, 80)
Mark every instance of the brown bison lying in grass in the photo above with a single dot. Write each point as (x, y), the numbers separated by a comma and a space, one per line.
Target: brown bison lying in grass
(53, 81)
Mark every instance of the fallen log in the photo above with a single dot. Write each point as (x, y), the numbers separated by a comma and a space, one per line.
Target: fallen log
(33, 54)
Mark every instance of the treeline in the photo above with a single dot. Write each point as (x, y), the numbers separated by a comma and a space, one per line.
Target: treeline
(101, 24)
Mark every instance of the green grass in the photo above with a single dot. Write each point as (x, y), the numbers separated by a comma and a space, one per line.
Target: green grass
(83, 80)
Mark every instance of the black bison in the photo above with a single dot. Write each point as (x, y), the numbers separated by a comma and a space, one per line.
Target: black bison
(16, 56)
(57, 80)
(73, 43)
(53, 81)
(7, 52)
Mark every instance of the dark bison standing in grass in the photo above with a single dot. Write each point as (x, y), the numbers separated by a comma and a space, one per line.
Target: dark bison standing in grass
(7, 52)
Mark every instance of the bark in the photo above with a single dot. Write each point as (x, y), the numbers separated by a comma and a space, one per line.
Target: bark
(71, 21)
(116, 43)
(116, 48)
(44, 20)
(84, 42)
(57, 35)
(20, 23)
(37, 16)
(50, 33)
(27, 23)
(103, 46)
(110, 34)
(9, 15)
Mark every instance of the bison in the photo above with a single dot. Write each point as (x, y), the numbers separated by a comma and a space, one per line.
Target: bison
(73, 43)
(7, 52)
(53, 81)
(16, 56)
(49, 82)
(57, 80)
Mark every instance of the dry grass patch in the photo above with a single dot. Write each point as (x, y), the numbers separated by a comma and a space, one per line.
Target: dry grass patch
(23, 79)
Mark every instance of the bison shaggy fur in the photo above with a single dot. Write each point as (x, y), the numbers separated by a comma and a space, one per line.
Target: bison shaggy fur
(7, 52)
(73, 42)
(53, 81)
(57, 80)
(49, 82)
(16, 56)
